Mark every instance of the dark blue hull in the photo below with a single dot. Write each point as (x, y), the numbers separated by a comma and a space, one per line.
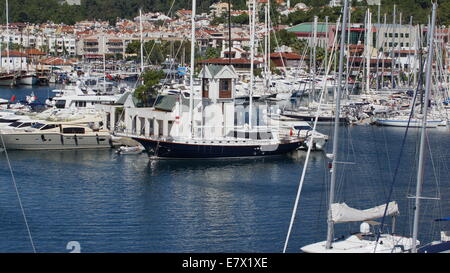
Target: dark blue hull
(443, 247)
(311, 118)
(185, 150)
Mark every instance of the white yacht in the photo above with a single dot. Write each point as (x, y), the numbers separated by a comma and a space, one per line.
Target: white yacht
(57, 136)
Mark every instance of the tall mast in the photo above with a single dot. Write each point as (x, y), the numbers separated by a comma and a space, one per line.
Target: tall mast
(266, 51)
(7, 37)
(377, 83)
(313, 67)
(142, 45)
(420, 171)
(368, 50)
(326, 55)
(398, 50)
(330, 232)
(191, 79)
(229, 32)
(384, 54)
(104, 63)
(252, 58)
(347, 65)
(269, 25)
(392, 50)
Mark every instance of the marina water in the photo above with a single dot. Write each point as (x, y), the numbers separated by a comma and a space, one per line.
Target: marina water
(131, 203)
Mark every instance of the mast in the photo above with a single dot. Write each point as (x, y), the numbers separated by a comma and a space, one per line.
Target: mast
(392, 50)
(398, 50)
(7, 38)
(420, 171)
(104, 64)
(266, 51)
(330, 232)
(269, 25)
(383, 56)
(142, 45)
(326, 56)
(229, 32)
(368, 51)
(252, 58)
(313, 67)
(191, 80)
(347, 65)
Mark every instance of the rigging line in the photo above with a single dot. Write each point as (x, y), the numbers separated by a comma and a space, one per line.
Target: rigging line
(154, 43)
(398, 161)
(438, 191)
(297, 199)
(18, 195)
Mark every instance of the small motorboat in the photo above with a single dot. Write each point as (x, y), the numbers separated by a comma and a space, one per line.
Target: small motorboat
(127, 150)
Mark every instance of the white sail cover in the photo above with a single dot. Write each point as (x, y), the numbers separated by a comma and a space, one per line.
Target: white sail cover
(342, 213)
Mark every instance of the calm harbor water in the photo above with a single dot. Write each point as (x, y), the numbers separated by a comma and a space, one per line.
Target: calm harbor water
(130, 203)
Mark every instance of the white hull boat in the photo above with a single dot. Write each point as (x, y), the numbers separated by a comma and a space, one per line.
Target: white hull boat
(56, 136)
(28, 80)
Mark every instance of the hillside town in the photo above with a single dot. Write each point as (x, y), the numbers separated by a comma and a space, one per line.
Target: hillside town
(40, 46)
(176, 129)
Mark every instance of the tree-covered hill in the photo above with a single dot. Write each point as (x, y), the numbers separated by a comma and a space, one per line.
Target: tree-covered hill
(38, 11)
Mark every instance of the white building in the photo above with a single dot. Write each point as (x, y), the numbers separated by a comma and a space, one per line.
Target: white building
(62, 45)
(13, 61)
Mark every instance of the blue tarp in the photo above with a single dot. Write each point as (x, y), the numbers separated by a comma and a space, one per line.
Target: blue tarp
(443, 219)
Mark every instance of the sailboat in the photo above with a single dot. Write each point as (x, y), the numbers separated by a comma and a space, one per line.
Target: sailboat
(205, 124)
(6, 78)
(366, 240)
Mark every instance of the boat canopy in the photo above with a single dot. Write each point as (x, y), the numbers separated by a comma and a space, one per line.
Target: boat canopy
(341, 213)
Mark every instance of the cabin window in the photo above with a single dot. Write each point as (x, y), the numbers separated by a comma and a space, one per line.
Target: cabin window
(26, 124)
(73, 130)
(49, 126)
(225, 88)
(38, 125)
(80, 104)
(205, 88)
(15, 124)
(60, 103)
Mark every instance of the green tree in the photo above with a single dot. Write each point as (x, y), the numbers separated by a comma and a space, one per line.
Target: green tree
(149, 89)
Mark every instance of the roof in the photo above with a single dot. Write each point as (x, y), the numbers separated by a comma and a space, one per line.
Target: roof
(34, 51)
(123, 98)
(214, 69)
(308, 27)
(13, 53)
(168, 102)
(227, 61)
(55, 61)
(286, 55)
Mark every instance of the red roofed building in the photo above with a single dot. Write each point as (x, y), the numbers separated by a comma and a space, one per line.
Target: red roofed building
(184, 14)
(286, 59)
(13, 60)
(240, 60)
